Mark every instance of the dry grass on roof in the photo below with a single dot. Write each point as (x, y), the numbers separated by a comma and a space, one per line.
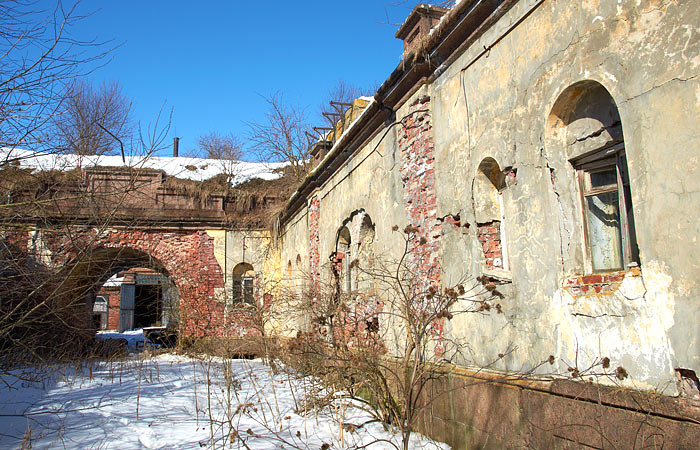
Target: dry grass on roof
(15, 178)
(252, 204)
(135, 170)
(280, 187)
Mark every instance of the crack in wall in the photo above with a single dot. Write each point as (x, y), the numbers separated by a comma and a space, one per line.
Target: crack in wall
(597, 316)
(657, 86)
(562, 216)
(597, 132)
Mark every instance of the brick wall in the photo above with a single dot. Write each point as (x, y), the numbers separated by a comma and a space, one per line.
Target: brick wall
(113, 295)
(187, 256)
(416, 146)
(489, 235)
(314, 240)
(418, 176)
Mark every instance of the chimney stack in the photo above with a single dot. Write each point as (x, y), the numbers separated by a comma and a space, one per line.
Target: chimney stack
(418, 24)
(176, 145)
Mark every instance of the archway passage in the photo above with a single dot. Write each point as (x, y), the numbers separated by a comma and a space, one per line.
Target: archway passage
(186, 257)
(127, 289)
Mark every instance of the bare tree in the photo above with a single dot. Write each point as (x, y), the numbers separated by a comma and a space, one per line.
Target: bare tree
(38, 61)
(43, 304)
(226, 149)
(217, 146)
(92, 121)
(282, 137)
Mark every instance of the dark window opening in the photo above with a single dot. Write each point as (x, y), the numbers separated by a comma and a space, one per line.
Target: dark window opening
(244, 284)
(147, 306)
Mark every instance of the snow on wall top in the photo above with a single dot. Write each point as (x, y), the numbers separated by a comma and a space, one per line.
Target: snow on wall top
(197, 169)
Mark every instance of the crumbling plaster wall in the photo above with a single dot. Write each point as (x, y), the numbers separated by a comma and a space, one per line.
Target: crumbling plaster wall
(495, 100)
(297, 235)
(369, 184)
(233, 247)
(370, 181)
(296, 243)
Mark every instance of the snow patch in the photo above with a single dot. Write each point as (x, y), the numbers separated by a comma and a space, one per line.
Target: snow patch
(197, 169)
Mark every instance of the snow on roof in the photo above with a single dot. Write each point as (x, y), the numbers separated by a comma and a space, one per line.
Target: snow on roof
(197, 169)
(114, 280)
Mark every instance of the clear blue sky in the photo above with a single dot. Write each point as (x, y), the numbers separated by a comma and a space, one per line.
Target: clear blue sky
(212, 60)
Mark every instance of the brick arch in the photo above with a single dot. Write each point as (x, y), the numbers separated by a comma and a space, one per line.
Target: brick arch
(187, 257)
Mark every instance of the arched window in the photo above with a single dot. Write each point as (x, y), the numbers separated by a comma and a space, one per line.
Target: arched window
(586, 121)
(243, 283)
(301, 280)
(100, 310)
(366, 244)
(489, 185)
(342, 259)
(365, 254)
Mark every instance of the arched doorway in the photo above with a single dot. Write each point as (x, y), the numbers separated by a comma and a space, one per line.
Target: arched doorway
(135, 289)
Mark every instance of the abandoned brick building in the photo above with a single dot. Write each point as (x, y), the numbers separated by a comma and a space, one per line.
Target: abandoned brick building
(545, 146)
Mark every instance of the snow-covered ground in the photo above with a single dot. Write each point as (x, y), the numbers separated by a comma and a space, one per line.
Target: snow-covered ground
(177, 402)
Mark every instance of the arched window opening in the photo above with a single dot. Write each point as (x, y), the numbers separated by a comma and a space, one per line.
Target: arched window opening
(366, 238)
(100, 312)
(341, 260)
(489, 185)
(365, 254)
(586, 120)
(607, 207)
(243, 284)
(301, 279)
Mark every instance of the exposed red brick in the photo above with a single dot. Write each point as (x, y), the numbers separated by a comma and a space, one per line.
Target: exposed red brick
(591, 279)
(187, 256)
(416, 147)
(489, 234)
(314, 240)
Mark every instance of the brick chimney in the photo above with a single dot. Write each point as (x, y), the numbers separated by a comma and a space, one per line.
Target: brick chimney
(176, 146)
(418, 24)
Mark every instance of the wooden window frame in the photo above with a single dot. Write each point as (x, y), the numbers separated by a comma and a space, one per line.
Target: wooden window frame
(612, 156)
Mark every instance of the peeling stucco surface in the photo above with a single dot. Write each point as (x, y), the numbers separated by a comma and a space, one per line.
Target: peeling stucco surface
(499, 104)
